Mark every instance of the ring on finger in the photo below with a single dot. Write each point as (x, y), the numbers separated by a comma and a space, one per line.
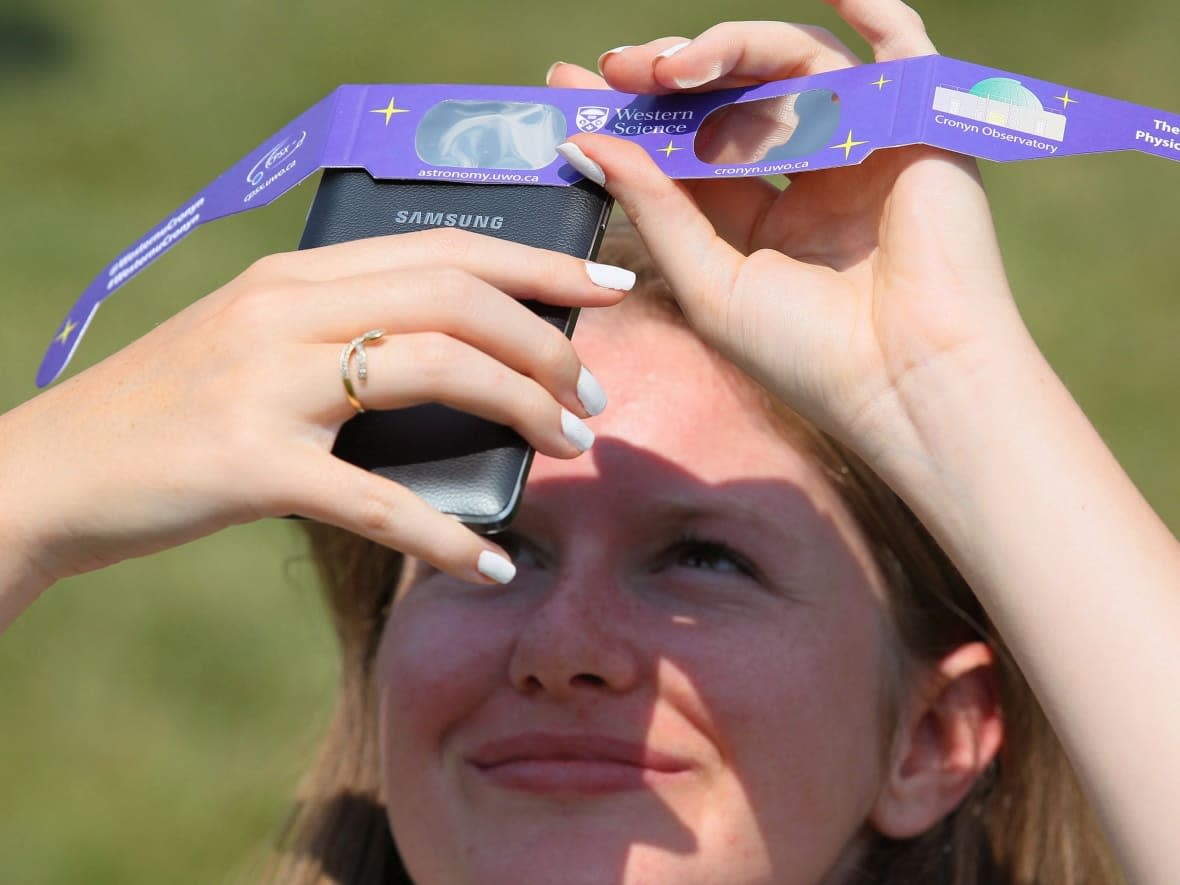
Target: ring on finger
(357, 346)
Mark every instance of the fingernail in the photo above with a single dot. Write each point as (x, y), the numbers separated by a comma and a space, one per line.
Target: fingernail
(693, 82)
(590, 393)
(672, 50)
(552, 68)
(602, 58)
(575, 430)
(573, 155)
(610, 277)
(493, 565)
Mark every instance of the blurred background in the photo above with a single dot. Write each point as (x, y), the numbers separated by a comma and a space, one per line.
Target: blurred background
(156, 717)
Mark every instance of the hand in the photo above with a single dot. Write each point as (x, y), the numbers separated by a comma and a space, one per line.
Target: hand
(227, 412)
(852, 291)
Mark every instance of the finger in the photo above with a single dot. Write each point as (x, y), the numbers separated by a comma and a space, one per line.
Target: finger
(423, 298)
(891, 28)
(532, 272)
(699, 266)
(331, 491)
(412, 369)
(447, 301)
(726, 55)
(459, 306)
(563, 75)
(632, 65)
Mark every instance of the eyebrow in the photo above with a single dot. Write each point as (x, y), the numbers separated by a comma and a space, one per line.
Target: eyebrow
(676, 502)
(672, 510)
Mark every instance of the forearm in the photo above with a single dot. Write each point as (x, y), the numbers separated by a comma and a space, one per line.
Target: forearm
(22, 578)
(1079, 575)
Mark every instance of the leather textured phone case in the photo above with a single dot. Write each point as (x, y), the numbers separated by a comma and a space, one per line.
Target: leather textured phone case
(463, 465)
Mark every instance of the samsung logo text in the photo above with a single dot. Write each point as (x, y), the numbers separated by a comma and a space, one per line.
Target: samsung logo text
(449, 219)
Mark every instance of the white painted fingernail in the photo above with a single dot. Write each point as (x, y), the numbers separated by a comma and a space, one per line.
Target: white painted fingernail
(493, 565)
(602, 58)
(575, 430)
(573, 155)
(610, 277)
(552, 68)
(590, 393)
(672, 50)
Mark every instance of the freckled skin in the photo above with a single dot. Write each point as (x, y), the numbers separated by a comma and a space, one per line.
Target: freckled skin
(764, 686)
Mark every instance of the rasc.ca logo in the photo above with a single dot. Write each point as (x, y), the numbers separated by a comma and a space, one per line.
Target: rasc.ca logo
(591, 118)
(274, 156)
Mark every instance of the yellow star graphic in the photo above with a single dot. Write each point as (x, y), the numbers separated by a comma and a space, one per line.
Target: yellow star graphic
(1065, 100)
(66, 332)
(847, 145)
(389, 110)
(668, 149)
(880, 82)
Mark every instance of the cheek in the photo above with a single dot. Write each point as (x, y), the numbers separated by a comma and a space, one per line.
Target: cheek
(798, 714)
(437, 663)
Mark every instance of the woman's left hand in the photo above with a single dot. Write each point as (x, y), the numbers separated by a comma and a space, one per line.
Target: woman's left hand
(852, 292)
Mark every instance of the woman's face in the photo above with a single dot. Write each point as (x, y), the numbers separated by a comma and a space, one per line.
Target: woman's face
(684, 683)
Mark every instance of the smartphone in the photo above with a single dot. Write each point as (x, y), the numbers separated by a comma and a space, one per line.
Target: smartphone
(466, 466)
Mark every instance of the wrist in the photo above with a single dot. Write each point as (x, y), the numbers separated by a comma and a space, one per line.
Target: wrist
(27, 513)
(1007, 473)
(992, 401)
(22, 577)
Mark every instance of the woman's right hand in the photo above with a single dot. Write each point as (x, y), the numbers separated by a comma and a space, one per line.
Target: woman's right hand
(227, 412)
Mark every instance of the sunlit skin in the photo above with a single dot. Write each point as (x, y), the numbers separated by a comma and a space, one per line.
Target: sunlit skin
(684, 683)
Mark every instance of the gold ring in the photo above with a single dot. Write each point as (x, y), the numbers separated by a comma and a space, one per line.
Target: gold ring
(357, 346)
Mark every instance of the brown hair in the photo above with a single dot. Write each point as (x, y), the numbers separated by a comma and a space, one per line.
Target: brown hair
(1026, 821)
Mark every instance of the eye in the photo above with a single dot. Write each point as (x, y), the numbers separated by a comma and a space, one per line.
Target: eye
(703, 554)
(523, 552)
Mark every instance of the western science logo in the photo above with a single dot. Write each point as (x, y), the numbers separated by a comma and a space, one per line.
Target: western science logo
(591, 118)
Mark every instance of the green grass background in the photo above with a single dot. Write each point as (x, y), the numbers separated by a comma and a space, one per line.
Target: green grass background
(155, 717)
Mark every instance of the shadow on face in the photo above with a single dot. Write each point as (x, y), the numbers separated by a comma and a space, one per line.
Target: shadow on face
(685, 681)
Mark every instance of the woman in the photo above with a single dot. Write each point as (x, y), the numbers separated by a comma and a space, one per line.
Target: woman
(708, 667)
(703, 587)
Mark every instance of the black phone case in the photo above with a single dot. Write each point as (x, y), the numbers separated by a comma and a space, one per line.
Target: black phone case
(463, 465)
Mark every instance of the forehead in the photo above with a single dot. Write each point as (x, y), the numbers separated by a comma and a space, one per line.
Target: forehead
(686, 441)
(673, 398)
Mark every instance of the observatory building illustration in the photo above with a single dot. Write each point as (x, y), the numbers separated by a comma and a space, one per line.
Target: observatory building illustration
(1001, 101)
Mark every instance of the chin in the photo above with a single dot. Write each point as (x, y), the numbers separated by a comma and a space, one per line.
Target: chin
(570, 847)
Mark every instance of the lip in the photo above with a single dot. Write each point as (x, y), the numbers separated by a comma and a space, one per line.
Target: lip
(573, 764)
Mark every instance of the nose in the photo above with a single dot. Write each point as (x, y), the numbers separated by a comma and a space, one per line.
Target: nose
(580, 638)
